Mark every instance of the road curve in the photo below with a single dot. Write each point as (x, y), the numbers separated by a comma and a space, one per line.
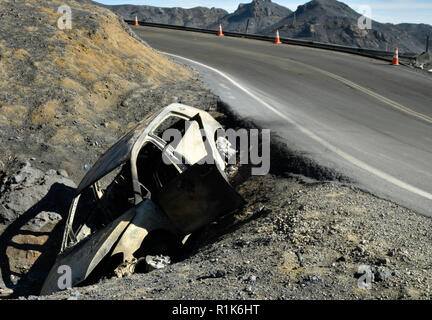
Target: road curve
(368, 120)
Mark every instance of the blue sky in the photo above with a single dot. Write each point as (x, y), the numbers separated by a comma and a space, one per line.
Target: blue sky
(394, 11)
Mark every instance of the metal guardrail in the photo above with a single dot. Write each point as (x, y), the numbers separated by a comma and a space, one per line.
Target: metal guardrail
(377, 54)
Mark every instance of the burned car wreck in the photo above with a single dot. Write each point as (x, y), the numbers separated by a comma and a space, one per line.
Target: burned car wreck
(145, 195)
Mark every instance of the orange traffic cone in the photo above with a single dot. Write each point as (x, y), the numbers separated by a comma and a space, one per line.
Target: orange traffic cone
(136, 21)
(220, 33)
(277, 40)
(395, 61)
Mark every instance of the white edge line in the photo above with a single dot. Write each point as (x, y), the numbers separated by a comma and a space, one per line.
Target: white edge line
(310, 134)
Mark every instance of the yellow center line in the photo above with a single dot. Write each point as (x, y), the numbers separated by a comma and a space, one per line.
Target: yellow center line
(375, 95)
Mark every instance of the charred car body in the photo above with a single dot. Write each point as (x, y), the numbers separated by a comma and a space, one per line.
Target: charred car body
(145, 194)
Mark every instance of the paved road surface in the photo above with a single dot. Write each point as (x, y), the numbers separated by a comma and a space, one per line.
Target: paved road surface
(362, 117)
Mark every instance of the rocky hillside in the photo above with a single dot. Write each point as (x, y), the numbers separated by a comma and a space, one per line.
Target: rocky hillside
(332, 21)
(198, 17)
(420, 31)
(67, 95)
(260, 14)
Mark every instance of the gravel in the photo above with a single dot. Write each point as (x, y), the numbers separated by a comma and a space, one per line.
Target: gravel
(295, 239)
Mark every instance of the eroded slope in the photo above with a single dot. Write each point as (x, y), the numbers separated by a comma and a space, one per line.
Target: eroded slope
(67, 95)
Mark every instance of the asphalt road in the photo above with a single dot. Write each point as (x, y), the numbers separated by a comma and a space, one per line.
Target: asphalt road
(370, 121)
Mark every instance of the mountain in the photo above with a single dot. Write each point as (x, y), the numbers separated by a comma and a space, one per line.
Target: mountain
(327, 21)
(260, 14)
(199, 17)
(332, 21)
(418, 30)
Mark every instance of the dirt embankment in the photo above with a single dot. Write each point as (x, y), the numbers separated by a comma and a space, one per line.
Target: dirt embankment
(67, 95)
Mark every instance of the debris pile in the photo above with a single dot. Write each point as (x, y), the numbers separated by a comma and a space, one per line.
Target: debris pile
(423, 61)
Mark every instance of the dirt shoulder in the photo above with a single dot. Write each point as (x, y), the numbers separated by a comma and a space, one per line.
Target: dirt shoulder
(294, 240)
(297, 238)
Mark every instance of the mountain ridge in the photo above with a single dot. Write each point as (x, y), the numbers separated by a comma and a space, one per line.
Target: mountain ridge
(198, 17)
(335, 22)
(328, 21)
(253, 17)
